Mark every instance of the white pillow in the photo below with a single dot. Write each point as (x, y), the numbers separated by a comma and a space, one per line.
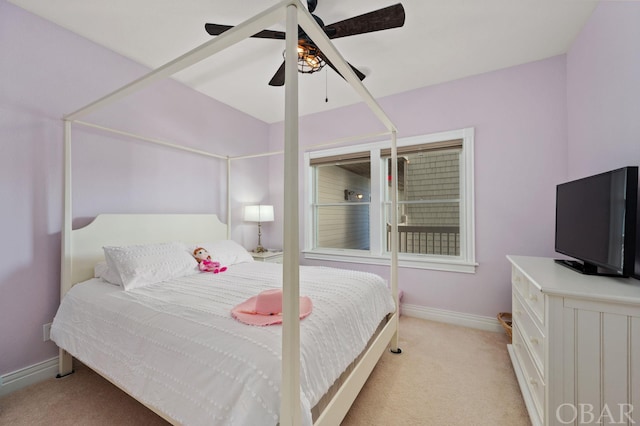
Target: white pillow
(141, 265)
(110, 275)
(227, 252)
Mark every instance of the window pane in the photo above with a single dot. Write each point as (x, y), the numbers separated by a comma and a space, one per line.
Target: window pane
(427, 176)
(333, 180)
(345, 226)
(428, 203)
(420, 232)
(342, 204)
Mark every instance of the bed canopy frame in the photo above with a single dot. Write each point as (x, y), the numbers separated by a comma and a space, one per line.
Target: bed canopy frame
(295, 14)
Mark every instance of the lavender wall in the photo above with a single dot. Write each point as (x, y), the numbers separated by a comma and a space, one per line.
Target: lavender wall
(603, 91)
(519, 115)
(45, 72)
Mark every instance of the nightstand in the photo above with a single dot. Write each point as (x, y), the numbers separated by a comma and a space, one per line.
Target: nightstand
(268, 256)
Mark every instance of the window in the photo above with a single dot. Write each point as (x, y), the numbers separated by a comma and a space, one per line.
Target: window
(349, 208)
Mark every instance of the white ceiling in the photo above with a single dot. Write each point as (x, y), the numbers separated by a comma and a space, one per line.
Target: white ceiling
(441, 40)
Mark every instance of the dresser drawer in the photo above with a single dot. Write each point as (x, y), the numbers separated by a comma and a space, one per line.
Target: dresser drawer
(531, 295)
(533, 381)
(536, 302)
(531, 335)
(519, 281)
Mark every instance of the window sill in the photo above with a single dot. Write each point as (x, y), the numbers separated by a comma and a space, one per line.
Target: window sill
(404, 260)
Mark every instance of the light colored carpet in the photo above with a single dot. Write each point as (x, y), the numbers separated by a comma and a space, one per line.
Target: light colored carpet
(446, 375)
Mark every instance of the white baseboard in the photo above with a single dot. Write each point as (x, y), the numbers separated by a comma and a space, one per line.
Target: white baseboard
(452, 317)
(27, 376)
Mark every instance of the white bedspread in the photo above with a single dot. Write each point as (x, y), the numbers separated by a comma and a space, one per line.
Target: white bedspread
(175, 346)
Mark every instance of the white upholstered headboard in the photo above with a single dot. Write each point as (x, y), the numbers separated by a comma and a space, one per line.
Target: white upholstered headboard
(125, 229)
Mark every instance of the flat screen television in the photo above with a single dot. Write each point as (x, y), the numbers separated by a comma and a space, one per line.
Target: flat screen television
(596, 221)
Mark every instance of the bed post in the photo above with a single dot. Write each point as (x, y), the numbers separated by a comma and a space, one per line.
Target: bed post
(327, 48)
(228, 198)
(394, 236)
(290, 412)
(65, 361)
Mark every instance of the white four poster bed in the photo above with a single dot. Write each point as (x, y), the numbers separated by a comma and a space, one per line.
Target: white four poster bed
(82, 249)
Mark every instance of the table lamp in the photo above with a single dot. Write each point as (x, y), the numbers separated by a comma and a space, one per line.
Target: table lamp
(259, 213)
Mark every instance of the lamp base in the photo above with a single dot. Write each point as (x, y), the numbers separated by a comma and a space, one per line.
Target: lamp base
(259, 249)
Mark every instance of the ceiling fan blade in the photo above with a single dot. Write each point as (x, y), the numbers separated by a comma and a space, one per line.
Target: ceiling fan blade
(311, 5)
(278, 77)
(217, 29)
(381, 19)
(359, 73)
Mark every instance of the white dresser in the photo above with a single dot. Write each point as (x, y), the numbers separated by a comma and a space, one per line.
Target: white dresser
(576, 344)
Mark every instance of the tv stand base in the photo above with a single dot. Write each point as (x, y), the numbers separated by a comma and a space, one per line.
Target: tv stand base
(585, 268)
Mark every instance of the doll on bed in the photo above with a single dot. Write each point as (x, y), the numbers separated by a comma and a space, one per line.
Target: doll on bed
(205, 264)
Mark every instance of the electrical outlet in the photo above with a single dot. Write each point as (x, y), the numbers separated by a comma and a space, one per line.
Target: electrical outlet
(46, 332)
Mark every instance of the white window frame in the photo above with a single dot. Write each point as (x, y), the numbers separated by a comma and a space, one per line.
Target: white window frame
(376, 254)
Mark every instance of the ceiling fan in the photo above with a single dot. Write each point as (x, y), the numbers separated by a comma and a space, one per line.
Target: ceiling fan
(310, 58)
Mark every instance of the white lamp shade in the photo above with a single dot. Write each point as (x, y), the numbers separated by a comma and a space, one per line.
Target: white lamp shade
(261, 213)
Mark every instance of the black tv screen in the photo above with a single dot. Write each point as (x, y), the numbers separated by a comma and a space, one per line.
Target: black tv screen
(596, 222)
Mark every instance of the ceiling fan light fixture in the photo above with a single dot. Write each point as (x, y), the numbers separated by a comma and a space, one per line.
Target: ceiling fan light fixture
(309, 59)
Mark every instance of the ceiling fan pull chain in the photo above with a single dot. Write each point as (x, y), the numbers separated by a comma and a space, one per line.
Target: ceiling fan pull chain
(326, 85)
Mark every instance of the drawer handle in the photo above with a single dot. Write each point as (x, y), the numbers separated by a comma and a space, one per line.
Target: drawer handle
(534, 340)
(518, 312)
(533, 381)
(533, 298)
